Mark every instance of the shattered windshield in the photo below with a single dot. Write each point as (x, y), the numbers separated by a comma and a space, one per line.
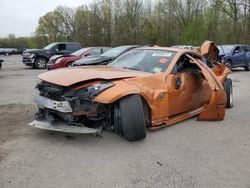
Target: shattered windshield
(153, 61)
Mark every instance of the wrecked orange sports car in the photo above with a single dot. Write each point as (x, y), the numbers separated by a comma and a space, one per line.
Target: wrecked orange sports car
(149, 87)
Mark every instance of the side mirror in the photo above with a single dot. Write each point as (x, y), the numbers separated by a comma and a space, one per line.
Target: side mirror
(236, 51)
(54, 50)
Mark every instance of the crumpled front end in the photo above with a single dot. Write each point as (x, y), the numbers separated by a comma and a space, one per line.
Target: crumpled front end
(68, 109)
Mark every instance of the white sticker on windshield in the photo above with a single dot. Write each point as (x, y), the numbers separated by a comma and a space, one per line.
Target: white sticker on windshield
(157, 69)
(162, 54)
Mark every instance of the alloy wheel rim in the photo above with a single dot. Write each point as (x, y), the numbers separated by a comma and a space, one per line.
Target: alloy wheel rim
(41, 63)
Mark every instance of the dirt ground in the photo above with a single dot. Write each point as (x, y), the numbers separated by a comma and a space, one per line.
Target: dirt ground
(189, 154)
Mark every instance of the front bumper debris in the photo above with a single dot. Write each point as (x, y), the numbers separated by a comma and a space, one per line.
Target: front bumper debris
(62, 127)
(28, 60)
(61, 106)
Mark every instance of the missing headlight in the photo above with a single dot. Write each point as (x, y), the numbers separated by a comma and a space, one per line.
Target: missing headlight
(96, 89)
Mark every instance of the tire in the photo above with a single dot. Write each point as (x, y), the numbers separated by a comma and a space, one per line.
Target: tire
(228, 63)
(117, 120)
(228, 86)
(132, 118)
(69, 64)
(247, 67)
(41, 63)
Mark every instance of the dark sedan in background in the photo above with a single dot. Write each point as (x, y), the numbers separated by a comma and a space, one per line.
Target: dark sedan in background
(106, 57)
(60, 61)
(235, 55)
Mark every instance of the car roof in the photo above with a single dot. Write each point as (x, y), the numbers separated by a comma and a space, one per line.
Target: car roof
(165, 48)
(233, 45)
(128, 46)
(182, 46)
(66, 42)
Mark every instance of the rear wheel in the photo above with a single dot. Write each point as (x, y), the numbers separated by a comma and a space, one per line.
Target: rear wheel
(133, 120)
(247, 67)
(228, 86)
(40, 63)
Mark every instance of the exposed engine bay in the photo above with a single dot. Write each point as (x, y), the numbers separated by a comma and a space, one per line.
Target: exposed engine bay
(59, 105)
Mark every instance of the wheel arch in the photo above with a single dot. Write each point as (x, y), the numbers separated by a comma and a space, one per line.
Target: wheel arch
(68, 62)
(41, 56)
(116, 93)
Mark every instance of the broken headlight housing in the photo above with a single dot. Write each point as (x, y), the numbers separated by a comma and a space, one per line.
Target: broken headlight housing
(89, 92)
(96, 89)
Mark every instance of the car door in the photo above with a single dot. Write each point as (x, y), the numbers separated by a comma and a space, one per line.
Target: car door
(61, 49)
(187, 89)
(248, 54)
(245, 56)
(238, 57)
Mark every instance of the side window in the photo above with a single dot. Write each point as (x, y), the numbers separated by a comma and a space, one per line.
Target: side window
(184, 64)
(61, 47)
(180, 64)
(105, 49)
(55, 48)
(244, 49)
(96, 51)
(73, 47)
(237, 49)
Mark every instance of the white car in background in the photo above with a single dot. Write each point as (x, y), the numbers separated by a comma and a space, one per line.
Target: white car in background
(188, 47)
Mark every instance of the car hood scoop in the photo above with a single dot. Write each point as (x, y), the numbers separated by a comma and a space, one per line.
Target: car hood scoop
(73, 75)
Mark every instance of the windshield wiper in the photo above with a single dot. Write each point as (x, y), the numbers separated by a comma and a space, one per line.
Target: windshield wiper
(131, 68)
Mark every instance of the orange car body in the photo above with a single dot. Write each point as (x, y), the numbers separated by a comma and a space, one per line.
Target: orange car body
(201, 95)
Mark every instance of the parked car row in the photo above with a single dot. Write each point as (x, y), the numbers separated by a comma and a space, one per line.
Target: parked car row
(38, 58)
(64, 54)
(10, 51)
(66, 60)
(145, 87)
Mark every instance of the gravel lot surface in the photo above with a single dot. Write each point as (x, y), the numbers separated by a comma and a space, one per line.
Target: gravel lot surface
(189, 154)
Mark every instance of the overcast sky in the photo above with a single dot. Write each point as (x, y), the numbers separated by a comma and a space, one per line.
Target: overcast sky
(20, 17)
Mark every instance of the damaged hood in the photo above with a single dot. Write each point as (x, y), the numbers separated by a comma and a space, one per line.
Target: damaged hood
(55, 57)
(73, 75)
(92, 60)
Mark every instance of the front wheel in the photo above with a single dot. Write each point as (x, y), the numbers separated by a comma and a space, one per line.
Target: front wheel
(133, 120)
(69, 64)
(40, 63)
(228, 64)
(228, 86)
